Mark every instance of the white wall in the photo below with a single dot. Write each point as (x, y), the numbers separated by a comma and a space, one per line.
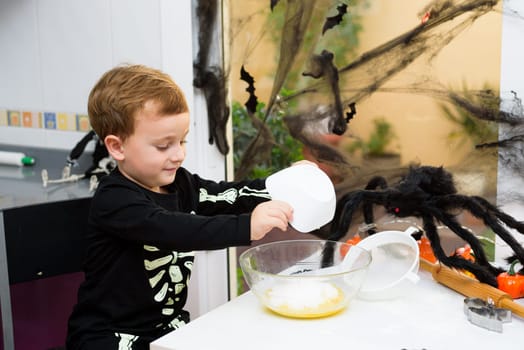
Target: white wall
(58, 49)
(53, 52)
(512, 79)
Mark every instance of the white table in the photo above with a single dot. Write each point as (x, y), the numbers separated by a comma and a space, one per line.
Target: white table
(430, 318)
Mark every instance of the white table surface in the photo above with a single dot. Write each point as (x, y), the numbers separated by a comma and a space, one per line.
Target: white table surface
(430, 318)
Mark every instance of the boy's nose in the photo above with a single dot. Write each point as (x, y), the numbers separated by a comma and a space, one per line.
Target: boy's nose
(178, 154)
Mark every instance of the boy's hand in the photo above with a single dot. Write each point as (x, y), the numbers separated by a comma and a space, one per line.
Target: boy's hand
(269, 215)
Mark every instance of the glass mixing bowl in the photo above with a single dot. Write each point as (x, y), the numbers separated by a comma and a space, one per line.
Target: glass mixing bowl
(305, 278)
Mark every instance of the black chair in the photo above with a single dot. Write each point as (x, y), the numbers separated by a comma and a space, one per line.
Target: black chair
(46, 245)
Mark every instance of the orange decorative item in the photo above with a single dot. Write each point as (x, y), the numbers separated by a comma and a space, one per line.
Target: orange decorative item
(465, 252)
(511, 282)
(426, 252)
(353, 241)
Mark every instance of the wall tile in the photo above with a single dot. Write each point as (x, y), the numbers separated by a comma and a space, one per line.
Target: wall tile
(3, 117)
(14, 118)
(49, 120)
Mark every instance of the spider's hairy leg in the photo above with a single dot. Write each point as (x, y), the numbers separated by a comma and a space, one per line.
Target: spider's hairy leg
(328, 254)
(480, 255)
(505, 218)
(431, 232)
(367, 207)
(377, 181)
(346, 207)
(445, 203)
(481, 260)
(491, 216)
(480, 272)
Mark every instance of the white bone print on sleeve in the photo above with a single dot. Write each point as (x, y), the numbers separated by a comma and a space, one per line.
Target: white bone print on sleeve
(231, 195)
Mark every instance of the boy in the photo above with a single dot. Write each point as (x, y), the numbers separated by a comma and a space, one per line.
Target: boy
(150, 213)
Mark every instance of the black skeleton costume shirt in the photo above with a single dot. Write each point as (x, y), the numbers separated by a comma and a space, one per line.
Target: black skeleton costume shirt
(140, 254)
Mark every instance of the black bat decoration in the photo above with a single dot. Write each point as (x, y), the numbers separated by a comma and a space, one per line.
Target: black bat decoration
(322, 66)
(211, 79)
(252, 102)
(351, 113)
(335, 20)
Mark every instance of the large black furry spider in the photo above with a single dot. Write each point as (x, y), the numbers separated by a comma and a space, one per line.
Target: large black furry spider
(429, 193)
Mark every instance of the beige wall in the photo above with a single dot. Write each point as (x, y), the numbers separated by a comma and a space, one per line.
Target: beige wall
(473, 57)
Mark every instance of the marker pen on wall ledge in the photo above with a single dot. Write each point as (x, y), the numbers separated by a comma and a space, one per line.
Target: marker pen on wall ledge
(15, 158)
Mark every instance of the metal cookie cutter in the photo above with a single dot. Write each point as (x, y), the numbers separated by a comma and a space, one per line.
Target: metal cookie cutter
(484, 314)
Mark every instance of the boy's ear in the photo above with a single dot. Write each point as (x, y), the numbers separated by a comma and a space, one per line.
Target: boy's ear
(114, 147)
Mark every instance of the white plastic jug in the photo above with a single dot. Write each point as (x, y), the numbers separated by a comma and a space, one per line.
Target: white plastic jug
(309, 191)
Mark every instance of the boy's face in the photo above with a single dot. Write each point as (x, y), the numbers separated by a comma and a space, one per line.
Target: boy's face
(156, 149)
